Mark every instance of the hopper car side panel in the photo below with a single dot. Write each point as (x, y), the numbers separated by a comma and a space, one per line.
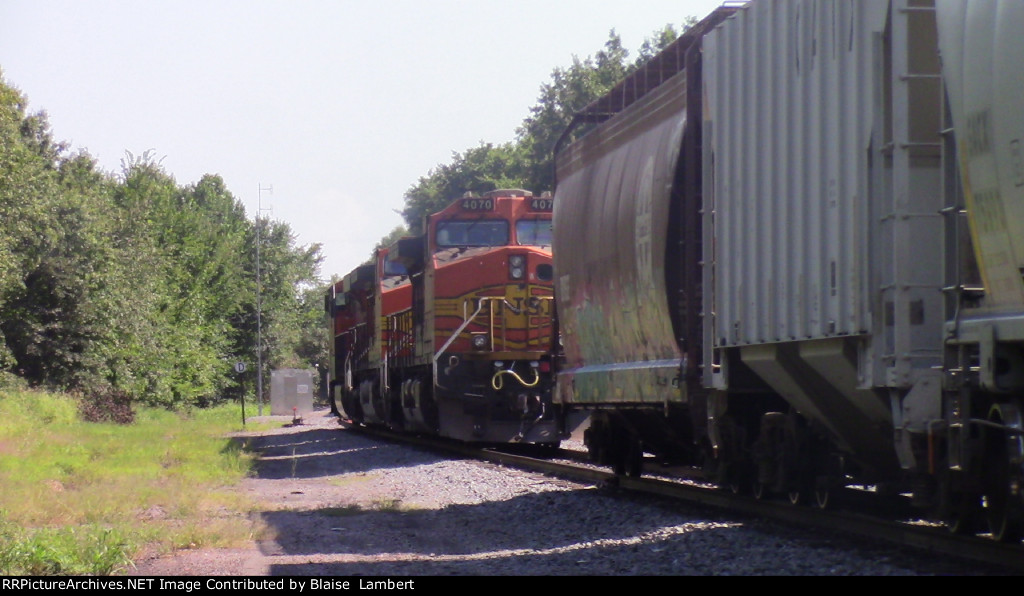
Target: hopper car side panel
(827, 248)
(611, 251)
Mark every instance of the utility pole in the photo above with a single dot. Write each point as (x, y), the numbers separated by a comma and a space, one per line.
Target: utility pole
(259, 301)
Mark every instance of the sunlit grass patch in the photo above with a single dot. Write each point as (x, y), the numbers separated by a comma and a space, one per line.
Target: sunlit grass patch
(83, 498)
(79, 550)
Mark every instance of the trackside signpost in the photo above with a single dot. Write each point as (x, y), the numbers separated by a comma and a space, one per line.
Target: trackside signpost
(240, 368)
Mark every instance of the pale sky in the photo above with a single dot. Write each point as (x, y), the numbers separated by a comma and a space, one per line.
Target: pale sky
(339, 105)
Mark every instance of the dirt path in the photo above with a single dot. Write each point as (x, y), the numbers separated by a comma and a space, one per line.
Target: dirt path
(304, 471)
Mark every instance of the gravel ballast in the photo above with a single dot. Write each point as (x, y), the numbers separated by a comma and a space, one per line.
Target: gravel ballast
(335, 502)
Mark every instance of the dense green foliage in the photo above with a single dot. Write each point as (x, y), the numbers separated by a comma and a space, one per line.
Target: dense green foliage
(135, 286)
(528, 162)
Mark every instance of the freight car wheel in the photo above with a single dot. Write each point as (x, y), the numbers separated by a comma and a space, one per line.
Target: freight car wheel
(822, 497)
(1003, 515)
(804, 491)
(740, 478)
(634, 457)
(809, 489)
(965, 517)
(1003, 476)
(627, 455)
(829, 475)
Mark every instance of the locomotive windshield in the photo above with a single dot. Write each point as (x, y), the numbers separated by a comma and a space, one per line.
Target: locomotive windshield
(393, 268)
(472, 233)
(533, 232)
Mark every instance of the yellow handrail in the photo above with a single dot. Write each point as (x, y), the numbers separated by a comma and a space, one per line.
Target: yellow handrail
(497, 383)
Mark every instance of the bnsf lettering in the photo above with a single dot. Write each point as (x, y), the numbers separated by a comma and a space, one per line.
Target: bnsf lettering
(542, 204)
(535, 307)
(478, 204)
(538, 307)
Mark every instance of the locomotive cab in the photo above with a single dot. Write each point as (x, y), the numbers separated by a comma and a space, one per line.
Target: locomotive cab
(487, 297)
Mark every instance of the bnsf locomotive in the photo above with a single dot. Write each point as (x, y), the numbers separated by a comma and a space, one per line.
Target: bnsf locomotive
(790, 250)
(450, 333)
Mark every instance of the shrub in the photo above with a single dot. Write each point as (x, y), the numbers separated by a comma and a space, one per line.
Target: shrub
(107, 405)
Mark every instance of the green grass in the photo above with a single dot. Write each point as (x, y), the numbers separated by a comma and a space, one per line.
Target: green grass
(85, 499)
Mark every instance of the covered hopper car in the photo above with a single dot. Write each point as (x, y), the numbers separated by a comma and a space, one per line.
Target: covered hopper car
(789, 250)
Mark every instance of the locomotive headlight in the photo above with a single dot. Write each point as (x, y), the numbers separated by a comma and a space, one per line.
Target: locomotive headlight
(517, 266)
(479, 341)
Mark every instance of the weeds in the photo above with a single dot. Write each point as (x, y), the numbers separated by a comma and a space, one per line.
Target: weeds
(83, 498)
(386, 504)
(88, 550)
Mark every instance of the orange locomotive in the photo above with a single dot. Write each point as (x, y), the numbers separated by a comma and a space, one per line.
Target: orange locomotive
(462, 327)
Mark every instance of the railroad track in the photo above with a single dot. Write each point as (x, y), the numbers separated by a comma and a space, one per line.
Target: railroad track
(893, 522)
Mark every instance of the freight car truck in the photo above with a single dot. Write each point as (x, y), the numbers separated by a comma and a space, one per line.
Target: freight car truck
(789, 250)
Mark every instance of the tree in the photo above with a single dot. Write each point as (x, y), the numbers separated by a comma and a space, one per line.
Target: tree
(570, 90)
(661, 39)
(396, 234)
(311, 348)
(20, 201)
(528, 162)
(478, 170)
(278, 321)
(49, 206)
